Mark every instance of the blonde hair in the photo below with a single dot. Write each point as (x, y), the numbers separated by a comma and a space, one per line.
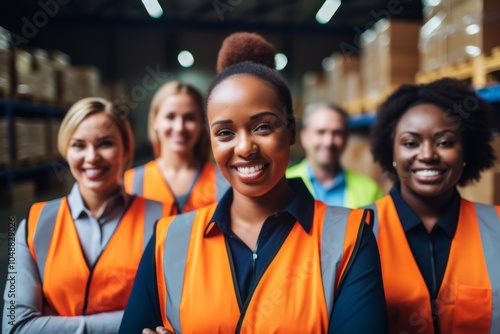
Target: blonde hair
(89, 106)
(172, 88)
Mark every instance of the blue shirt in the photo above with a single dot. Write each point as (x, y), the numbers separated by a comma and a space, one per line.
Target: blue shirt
(430, 250)
(333, 194)
(360, 305)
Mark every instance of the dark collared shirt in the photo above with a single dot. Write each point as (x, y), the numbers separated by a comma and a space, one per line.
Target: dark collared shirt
(430, 250)
(249, 265)
(360, 305)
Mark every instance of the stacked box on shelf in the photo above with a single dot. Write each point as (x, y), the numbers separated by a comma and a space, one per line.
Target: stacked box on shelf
(25, 81)
(344, 81)
(45, 79)
(472, 28)
(487, 189)
(87, 81)
(432, 38)
(65, 90)
(468, 34)
(30, 138)
(4, 142)
(315, 88)
(53, 130)
(5, 62)
(389, 58)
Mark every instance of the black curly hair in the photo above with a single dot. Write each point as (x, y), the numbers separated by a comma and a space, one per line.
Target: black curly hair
(461, 104)
(267, 75)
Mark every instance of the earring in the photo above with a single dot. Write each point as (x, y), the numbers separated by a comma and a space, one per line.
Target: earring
(394, 164)
(465, 164)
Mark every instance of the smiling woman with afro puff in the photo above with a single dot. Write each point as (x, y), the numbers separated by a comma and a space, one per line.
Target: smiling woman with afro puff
(439, 252)
(267, 258)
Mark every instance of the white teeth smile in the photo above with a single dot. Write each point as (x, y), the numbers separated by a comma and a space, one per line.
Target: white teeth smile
(249, 170)
(93, 171)
(427, 172)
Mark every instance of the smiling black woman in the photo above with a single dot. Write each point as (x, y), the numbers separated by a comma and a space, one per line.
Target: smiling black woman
(439, 252)
(267, 258)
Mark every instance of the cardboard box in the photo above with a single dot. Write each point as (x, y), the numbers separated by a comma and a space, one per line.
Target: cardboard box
(4, 142)
(30, 135)
(5, 62)
(468, 28)
(87, 81)
(487, 189)
(344, 80)
(358, 157)
(389, 58)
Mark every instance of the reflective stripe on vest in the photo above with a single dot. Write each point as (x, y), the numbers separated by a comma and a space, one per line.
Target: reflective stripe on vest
(69, 285)
(222, 185)
(147, 180)
(138, 182)
(336, 245)
(469, 296)
(489, 226)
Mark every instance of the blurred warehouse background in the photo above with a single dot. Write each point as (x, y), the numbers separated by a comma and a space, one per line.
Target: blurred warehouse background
(54, 52)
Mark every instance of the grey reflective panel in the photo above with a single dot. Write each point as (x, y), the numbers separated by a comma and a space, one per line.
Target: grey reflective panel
(174, 263)
(222, 185)
(489, 226)
(375, 218)
(332, 248)
(153, 213)
(138, 182)
(43, 233)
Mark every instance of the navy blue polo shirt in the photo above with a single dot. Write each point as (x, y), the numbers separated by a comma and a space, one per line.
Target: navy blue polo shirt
(360, 305)
(430, 250)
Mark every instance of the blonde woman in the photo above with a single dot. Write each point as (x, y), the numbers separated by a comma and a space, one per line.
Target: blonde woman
(77, 256)
(181, 175)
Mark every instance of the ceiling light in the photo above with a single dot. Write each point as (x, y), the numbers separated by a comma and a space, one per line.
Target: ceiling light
(281, 61)
(185, 58)
(431, 3)
(472, 29)
(153, 8)
(325, 13)
(472, 50)
(431, 25)
(328, 64)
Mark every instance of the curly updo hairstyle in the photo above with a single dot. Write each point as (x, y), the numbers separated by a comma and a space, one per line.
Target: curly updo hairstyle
(246, 53)
(461, 105)
(245, 46)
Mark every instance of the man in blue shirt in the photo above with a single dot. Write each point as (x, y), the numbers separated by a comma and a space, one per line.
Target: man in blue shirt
(324, 136)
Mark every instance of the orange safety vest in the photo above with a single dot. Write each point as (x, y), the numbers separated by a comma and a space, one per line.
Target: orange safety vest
(197, 288)
(147, 181)
(469, 297)
(70, 287)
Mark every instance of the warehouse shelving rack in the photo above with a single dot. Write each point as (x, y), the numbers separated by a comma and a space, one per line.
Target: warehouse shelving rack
(16, 170)
(490, 93)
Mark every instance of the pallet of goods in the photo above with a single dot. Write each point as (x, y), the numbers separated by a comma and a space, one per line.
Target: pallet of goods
(344, 82)
(460, 39)
(389, 58)
(5, 60)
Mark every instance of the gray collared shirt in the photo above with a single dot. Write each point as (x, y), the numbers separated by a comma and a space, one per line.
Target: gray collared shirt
(97, 230)
(31, 314)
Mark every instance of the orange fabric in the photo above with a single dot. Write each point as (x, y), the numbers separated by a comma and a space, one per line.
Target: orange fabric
(291, 284)
(156, 188)
(464, 302)
(66, 274)
(351, 234)
(33, 217)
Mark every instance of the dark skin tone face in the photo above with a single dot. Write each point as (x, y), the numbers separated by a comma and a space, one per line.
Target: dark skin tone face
(428, 152)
